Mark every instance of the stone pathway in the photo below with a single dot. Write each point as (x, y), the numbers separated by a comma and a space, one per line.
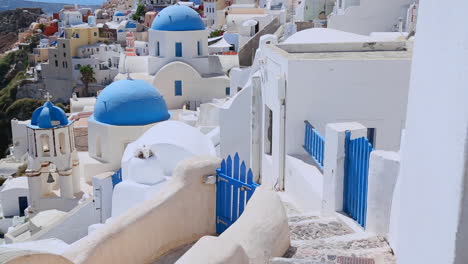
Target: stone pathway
(172, 256)
(319, 240)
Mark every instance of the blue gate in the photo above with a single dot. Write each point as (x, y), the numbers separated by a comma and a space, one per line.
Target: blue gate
(314, 144)
(355, 179)
(117, 177)
(234, 187)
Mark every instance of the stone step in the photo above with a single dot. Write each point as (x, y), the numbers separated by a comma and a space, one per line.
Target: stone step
(292, 261)
(335, 244)
(318, 228)
(331, 259)
(297, 218)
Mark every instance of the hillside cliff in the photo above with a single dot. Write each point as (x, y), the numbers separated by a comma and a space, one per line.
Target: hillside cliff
(13, 21)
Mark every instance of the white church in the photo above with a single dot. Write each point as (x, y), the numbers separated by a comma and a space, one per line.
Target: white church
(178, 63)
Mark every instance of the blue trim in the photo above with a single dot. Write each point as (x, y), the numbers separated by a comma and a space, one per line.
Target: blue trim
(228, 90)
(178, 88)
(199, 48)
(178, 49)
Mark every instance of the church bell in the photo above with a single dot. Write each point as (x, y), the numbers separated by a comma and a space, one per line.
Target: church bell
(50, 179)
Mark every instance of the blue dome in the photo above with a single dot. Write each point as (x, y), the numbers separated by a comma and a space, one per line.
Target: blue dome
(49, 116)
(130, 103)
(118, 13)
(178, 18)
(130, 24)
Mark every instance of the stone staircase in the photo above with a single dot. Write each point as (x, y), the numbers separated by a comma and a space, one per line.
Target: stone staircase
(330, 240)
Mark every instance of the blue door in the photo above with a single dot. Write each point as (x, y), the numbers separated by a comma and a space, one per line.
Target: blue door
(23, 204)
(178, 49)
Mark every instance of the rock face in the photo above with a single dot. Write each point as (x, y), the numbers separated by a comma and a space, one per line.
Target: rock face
(13, 21)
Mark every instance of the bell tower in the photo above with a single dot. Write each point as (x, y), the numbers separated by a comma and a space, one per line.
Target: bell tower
(53, 165)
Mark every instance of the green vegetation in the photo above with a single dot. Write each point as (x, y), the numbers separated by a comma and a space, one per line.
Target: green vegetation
(18, 59)
(12, 67)
(139, 12)
(10, 108)
(87, 77)
(216, 33)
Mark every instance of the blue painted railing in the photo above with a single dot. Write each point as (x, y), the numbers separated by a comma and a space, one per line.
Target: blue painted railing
(356, 176)
(314, 144)
(234, 187)
(117, 177)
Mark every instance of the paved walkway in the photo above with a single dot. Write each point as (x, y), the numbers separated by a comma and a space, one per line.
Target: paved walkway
(319, 240)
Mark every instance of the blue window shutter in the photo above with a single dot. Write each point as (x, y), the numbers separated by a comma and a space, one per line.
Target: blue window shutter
(178, 88)
(157, 48)
(199, 48)
(178, 49)
(228, 90)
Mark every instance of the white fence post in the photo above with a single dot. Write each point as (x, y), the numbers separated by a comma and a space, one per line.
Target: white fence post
(334, 161)
(384, 167)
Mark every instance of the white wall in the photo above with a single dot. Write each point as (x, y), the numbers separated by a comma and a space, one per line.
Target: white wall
(383, 172)
(347, 90)
(234, 124)
(9, 199)
(238, 78)
(434, 193)
(303, 183)
(102, 191)
(167, 50)
(369, 16)
(112, 141)
(73, 226)
(20, 138)
(194, 86)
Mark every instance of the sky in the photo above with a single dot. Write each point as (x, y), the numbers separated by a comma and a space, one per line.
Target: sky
(82, 2)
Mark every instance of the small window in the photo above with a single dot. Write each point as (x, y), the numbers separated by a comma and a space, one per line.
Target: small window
(98, 147)
(199, 48)
(56, 63)
(97, 49)
(44, 139)
(228, 90)
(268, 138)
(178, 88)
(65, 54)
(95, 34)
(178, 49)
(63, 45)
(157, 48)
(63, 146)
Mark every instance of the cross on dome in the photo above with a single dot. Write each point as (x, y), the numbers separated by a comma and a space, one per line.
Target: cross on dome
(48, 96)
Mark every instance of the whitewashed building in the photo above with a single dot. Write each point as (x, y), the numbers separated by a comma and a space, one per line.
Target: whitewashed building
(296, 81)
(178, 64)
(366, 16)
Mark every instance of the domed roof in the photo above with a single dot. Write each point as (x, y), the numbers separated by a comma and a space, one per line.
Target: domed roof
(49, 116)
(130, 24)
(118, 13)
(130, 103)
(178, 18)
